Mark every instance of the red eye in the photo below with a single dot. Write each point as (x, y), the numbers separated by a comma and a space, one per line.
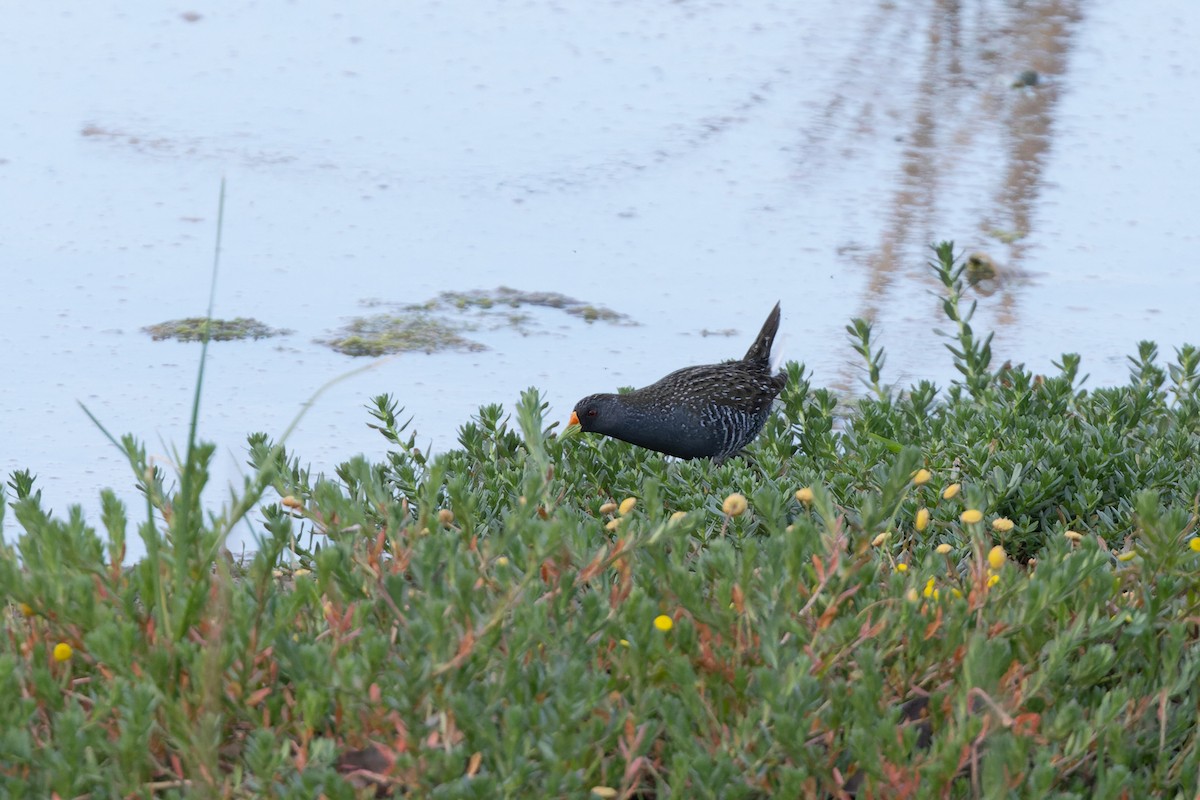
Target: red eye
(591, 412)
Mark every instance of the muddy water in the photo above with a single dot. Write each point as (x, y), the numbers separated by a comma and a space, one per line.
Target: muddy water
(684, 163)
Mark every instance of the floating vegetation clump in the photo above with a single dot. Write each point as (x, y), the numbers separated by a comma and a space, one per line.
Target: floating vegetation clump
(590, 313)
(487, 299)
(386, 334)
(986, 276)
(197, 329)
(436, 324)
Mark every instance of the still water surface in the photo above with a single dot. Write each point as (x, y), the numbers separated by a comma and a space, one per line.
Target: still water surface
(684, 163)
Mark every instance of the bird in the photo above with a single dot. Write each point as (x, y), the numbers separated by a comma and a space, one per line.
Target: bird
(707, 411)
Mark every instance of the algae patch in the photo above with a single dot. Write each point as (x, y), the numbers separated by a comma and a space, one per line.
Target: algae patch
(488, 299)
(986, 275)
(383, 334)
(439, 324)
(197, 329)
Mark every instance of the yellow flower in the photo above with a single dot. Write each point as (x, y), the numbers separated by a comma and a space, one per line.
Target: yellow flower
(627, 505)
(922, 520)
(993, 580)
(624, 643)
(678, 515)
(997, 557)
(880, 539)
(921, 477)
(950, 491)
(929, 590)
(953, 591)
(1002, 524)
(902, 567)
(664, 623)
(1194, 543)
(607, 508)
(604, 792)
(502, 561)
(612, 525)
(971, 516)
(805, 495)
(942, 549)
(734, 505)
(445, 516)
(291, 502)
(63, 651)
(1074, 536)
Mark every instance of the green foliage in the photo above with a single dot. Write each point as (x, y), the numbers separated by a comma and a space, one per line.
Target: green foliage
(541, 613)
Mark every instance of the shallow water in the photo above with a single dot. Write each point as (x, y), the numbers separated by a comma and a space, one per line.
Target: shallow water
(684, 163)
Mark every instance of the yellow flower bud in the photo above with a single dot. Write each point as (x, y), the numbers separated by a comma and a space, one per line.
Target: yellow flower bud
(445, 516)
(942, 549)
(912, 596)
(678, 515)
(1074, 536)
(664, 623)
(971, 516)
(734, 505)
(997, 557)
(502, 561)
(26, 609)
(805, 495)
(993, 580)
(627, 505)
(950, 491)
(63, 651)
(880, 539)
(921, 477)
(922, 520)
(1194, 544)
(1002, 524)
(929, 590)
(902, 567)
(612, 525)
(607, 508)
(1128, 555)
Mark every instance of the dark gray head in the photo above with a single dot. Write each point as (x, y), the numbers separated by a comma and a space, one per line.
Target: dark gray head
(599, 413)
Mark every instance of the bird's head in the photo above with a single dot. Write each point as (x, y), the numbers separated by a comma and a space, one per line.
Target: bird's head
(592, 412)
